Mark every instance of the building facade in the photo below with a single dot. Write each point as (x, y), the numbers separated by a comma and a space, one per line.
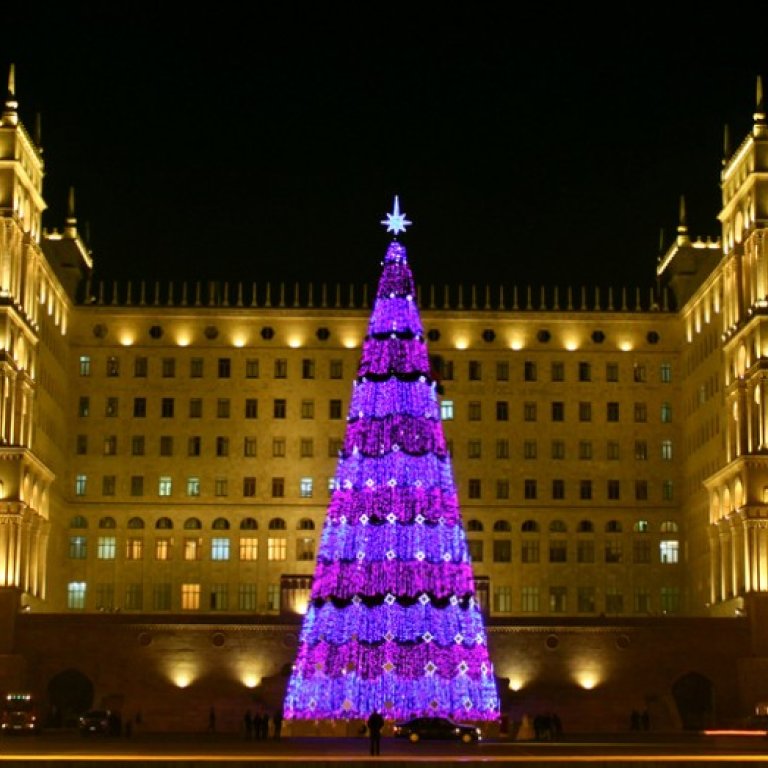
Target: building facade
(166, 451)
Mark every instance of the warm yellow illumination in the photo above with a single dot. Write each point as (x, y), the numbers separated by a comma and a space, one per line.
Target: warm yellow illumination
(571, 345)
(2, 489)
(587, 680)
(350, 342)
(251, 680)
(294, 342)
(625, 346)
(239, 340)
(183, 339)
(516, 683)
(516, 344)
(127, 338)
(182, 679)
(461, 342)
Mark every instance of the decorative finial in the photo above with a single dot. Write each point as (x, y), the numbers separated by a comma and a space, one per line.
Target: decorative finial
(396, 221)
(682, 226)
(726, 143)
(70, 223)
(759, 116)
(11, 106)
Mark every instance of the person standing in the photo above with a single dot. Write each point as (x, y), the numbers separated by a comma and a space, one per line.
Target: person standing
(277, 721)
(375, 724)
(248, 722)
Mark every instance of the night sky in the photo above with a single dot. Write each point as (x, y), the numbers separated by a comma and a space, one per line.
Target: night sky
(266, 140)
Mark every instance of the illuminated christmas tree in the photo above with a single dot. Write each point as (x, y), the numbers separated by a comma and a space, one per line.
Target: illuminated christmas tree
(393, 623)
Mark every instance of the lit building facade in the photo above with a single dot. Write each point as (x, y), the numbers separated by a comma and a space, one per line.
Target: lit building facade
(166, 451)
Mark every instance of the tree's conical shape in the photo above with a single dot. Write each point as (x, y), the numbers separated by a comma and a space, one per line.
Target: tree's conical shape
(393, 623)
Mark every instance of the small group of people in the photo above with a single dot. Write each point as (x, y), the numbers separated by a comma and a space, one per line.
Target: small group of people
(257, 725)
(543, 727)
(639, 721)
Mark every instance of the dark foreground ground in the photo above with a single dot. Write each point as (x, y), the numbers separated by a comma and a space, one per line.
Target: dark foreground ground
(191, 750)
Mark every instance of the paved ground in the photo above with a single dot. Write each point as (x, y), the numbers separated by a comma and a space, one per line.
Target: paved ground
(189, 750)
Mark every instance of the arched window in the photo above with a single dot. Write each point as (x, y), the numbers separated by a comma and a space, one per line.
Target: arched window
(135, 522)
(305, 524)
(474, 525)
(641, 526)
(192, 524)
(585, 526)
(557, 526)
(78, 521)
(613, 526)
(220, 524)
(248, 524)
(164, 523)
(107, 522)
(277, 524)
(529, 526)
(502, 526)
(669, 526)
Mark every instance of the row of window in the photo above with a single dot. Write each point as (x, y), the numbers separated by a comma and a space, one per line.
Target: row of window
(585, 489)
(191, 548)
(559, 526)
(556, 600)
(168, 410)
(586, 552)
(197, 366)
(193, 486)
(557, 411)
(530, 449)
(194, 523)
(557, 371)
(161, 597)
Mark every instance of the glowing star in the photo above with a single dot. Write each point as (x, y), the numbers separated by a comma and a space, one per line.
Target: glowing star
(396, 221)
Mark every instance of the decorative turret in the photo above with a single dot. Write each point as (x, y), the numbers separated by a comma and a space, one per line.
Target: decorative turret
(682, 224)
(760, 127)
(11, 105)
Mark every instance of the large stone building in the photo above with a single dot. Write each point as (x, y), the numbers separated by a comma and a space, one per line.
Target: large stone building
(166, 453)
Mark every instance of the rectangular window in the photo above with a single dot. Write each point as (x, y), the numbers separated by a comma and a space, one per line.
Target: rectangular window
(252, 368)
(166, 445)
(196, 368)
(614, 601)
(222, 446)
(84, 406)
(613, 490)
(81, 484)
(278, 447)
(168, 367)
(81, 445)
(474, 449)
(585, 599)
(134, 597)
(670, 599)
(193, 486)
(195, 408)
(502, 551)
(585, 411)
(250, 445)
(612, 450)
(190, 597)
(305, 549)
(113, 366)
(475, 370)
(474, 410)
(669, 551)
(279, 408)
(446, 410)
(666, 450)
(558, 411)
(612, 411)
(307, 409)
(529, 488)
(502, 370)
(585, 450)
(166, 407)
(557, 450)
(642, 600)
(219, 597)
(278, 487)
(558, 489)
(249, 548)
(281, 368)
(224, 367)
(134, 549)
(502, 599)
(475, 488)
(111, 407)
(161, 597)
(193, 548)
(666, 413)
(249, 486)
(307, 368)
(137, 445)
(502, 448)
(585, 489)
(85, 365)
(641, 551)
(334, 446)
(222, 408)
(641, 490)
(502, 489)
(137, 485)
(557, 599)
(641, 450)
(529, 411)
(530, 449)
(108, 485)
(530, 551)
(76, 595)
(475, 548)
(220, 487)
(78, 547)
(585, 551)
(164, 485)
(529, 602)
(246, 597)
(585, 371)
(667, 490)
(219, 548)
(665, 373)
(639, 373)
(305, 487)
(194, 445)
(110, 445)
(162, 548)
(273, 597)
(641, 412)
(612, 372)
(558, 371)
(529, 371)
(336, 369)
(502, 410)
(558, 551)
(277, 549)
(613, 551)
(251, 408)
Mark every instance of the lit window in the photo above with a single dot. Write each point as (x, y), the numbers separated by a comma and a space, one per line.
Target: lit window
(305, 549)
(666, 449)
(193, 486)
(85, 365)
(134, 549)
(193, 548)
(84, 406)
(162, 549)
(669, 551)
(219, 549)
(106, 547)
(305, 487)
(666, 373)
(76, 595)
(246, 597)
(273, 597)
(557, 599)
(190, 597)
(529, 600)
(502, 599)
(81, 483)
(78, 547)
(249, 548)
(277, 549)
(446, 410)
(113, 366)
(666, 413)
(164, 486)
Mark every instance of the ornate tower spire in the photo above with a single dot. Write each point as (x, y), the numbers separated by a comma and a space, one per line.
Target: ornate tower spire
(11, 105)
(726, 143)
(760, 125)
(682, 226)
(70, 223)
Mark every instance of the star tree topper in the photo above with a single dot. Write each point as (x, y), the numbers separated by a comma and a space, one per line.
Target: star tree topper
(396, 221)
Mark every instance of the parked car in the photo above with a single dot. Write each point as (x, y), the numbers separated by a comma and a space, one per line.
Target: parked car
(99, 721)
(436, 728)
(19, 714)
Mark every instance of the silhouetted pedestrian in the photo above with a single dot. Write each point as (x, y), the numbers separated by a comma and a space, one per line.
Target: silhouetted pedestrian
(248, 723)
(264, 725)
(277, 721)
(375, 724)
